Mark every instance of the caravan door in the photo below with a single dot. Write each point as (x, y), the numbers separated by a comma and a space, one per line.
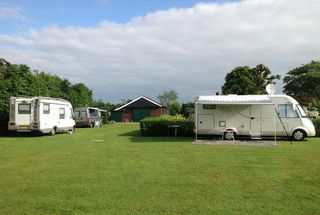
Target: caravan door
(255, 125)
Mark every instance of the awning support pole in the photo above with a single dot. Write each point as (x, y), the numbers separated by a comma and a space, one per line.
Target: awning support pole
(196, 121)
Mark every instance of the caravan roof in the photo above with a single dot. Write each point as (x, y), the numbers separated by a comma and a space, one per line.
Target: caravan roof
(234, 99)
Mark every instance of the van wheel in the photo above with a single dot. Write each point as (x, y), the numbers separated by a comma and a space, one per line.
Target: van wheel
(229, 135)
(299, 135)
(53, 131)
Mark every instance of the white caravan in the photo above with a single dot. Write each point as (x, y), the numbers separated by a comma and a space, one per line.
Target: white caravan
(252, 115)
(44, 114)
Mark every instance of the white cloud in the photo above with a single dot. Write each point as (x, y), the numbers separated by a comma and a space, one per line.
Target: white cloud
(189, 50)
(11, 12)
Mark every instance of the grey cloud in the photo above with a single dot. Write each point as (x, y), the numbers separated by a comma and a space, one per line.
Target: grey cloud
(189, 50)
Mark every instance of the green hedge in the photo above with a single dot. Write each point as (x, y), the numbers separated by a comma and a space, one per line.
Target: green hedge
(161, 126)
(316, 123)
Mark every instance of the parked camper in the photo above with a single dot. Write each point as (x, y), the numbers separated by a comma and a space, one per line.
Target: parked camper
(88, 117)
(44, 114)
(252, 115)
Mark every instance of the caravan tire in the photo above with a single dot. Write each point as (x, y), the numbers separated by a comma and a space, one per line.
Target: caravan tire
(229, 135)
(298, 135)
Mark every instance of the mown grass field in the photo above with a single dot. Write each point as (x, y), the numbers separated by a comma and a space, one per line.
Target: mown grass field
(112, 170)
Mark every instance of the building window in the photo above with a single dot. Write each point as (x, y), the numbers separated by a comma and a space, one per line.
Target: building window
(24, 109)
(62, 113)
(46, 108)
(286, 111)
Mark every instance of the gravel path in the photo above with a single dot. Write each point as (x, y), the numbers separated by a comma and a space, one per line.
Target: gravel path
(237, 142)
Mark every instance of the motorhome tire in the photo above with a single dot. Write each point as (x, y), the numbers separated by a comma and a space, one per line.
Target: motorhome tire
(72, 130)
(299, 135)
(53, 131)
(229, 135)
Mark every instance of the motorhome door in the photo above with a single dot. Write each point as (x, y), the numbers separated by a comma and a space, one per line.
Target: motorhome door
(205, 121)
(23, 114)
(255, 125)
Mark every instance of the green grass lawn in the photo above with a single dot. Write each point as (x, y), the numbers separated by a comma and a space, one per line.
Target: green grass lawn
(112, 170)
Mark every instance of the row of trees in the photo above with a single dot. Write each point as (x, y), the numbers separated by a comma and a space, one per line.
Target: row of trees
(19, 80)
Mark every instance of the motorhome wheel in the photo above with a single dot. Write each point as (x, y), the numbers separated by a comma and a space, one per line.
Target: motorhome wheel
(72, 130)
(53, 131)
(298, 135)
(229, 135)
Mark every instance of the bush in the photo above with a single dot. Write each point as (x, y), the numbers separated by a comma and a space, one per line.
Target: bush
(316, 123)
(161, 126)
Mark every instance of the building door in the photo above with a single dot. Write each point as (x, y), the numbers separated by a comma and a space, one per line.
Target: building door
(127, 116)
(255, 125)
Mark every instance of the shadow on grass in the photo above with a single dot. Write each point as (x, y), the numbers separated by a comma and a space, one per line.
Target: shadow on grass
(136, 137)
(26, 134)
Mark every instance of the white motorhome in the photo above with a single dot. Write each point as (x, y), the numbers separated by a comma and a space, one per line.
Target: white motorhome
(44, 114)
(251, 115)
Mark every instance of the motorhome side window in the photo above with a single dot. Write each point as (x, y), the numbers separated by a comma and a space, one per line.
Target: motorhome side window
(24, 108)
(46, 109)
(209, 106)
(287, 111)
(62, 113)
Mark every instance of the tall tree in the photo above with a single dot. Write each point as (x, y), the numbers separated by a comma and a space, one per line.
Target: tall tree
(80, 95)
(238, 81)
(167, 97)
(302, 82)
(244, 80)
(174, 107)
(261, 77)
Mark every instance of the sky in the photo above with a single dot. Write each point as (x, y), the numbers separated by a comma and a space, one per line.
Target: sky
(123, 49)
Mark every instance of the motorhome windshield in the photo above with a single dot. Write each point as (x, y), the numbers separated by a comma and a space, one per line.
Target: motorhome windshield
(302, 113)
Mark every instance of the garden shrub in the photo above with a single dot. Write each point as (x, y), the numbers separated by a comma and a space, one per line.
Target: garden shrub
(161, 126)
(316, 123)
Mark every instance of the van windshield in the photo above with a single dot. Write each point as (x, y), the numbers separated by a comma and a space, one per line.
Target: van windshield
(302, 113)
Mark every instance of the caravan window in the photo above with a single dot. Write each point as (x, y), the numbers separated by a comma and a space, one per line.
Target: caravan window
(62, 113)
(24, 108)
(46, 109)
(286, 111)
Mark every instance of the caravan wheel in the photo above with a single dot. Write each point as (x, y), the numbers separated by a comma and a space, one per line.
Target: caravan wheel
(299, 135)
